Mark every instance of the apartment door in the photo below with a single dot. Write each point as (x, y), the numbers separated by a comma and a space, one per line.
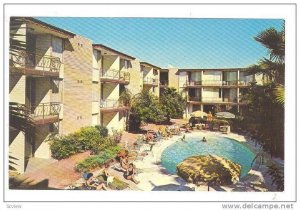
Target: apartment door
(30, 93)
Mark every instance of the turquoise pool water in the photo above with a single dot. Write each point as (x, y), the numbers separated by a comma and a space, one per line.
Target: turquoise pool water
(221, 146)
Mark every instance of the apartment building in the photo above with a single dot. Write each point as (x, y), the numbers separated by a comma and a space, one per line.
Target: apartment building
(60, 82)
(36, 73)
(150, 75)
(206, 89)
(114, 68)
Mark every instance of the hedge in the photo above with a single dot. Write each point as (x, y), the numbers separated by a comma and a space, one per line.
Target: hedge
(97, 160)
(88, 138)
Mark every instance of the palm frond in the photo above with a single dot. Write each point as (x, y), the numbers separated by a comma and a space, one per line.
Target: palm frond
(279, 94)
(274, 41)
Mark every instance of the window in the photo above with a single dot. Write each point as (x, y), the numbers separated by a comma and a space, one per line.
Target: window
(126, 64)
(57, 45)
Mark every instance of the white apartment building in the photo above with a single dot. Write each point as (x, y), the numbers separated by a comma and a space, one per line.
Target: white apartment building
(205, 89)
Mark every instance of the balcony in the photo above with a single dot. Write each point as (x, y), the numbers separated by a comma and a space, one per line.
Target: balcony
(163, 83)
(34, 64)
(114, 76)
(216, 83)
(45, 113)
(211, 100)
(194, 100)
(22, 116)
(112, 105)
(153, 82)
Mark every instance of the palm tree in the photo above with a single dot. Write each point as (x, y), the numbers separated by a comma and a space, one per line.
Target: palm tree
(126, 99)
(274, 41)
(272, 67)
(266, 107)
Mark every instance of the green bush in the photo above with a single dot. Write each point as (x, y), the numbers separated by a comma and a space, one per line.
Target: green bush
(97, 160)
(62, 147)
(219, 122)
(103, 130)
(88, 138)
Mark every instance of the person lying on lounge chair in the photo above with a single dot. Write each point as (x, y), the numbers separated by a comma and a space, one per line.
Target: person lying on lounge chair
(93, 183)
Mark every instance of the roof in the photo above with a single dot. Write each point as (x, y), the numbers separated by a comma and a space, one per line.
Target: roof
(216, 69)
(101, 46)
(149, 65)
(47, 25)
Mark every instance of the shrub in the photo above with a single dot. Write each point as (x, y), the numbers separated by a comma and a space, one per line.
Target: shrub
(103, 130)
(219, 122)
(97, 160)
(87, 138)
(62, 147)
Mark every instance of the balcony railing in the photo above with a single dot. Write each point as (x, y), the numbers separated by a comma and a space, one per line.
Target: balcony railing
(150, 81)
(34, 61)
(217, 83)
(164, 82)
(45, 109)
(194, 99)
(218, 100)
(109, 103)
(22, 117)
(115, 75)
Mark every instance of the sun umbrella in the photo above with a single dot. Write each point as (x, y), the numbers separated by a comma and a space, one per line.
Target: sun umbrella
(211, 169)
(198, 114)
(226, 115)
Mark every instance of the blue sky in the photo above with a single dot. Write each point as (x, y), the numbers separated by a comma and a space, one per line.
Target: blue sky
(182, 43)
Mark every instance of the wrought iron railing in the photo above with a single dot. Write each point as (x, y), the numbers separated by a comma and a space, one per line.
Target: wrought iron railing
(244, 83)
(194, 99)
(125, 76)
(109, 103)
(19, 116)
(217, 83)
(22, 117)
(25, 59)
(150, 81)
(115, 74)
(218, 100)
(164, 82)
(45, 109)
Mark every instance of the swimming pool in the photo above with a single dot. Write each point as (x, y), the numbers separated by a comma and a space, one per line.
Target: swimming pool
(215, 145)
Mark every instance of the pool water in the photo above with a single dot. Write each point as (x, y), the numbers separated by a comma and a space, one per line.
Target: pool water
(215, 145)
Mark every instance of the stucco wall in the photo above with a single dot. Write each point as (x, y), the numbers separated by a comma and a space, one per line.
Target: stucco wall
(136, 79)
(78, 94)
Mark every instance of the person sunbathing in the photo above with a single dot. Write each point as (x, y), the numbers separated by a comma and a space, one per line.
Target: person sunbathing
(130, 172)
(149, 136)
(124, 162)
(93, 183)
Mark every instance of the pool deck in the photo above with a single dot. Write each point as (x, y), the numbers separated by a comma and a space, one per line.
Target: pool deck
(153, 176)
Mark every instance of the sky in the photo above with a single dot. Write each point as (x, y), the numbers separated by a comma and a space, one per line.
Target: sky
(174, 42)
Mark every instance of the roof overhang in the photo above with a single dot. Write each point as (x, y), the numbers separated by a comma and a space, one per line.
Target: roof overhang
(39, 27)
(109, 51)
(223, 69)
(149, 65)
